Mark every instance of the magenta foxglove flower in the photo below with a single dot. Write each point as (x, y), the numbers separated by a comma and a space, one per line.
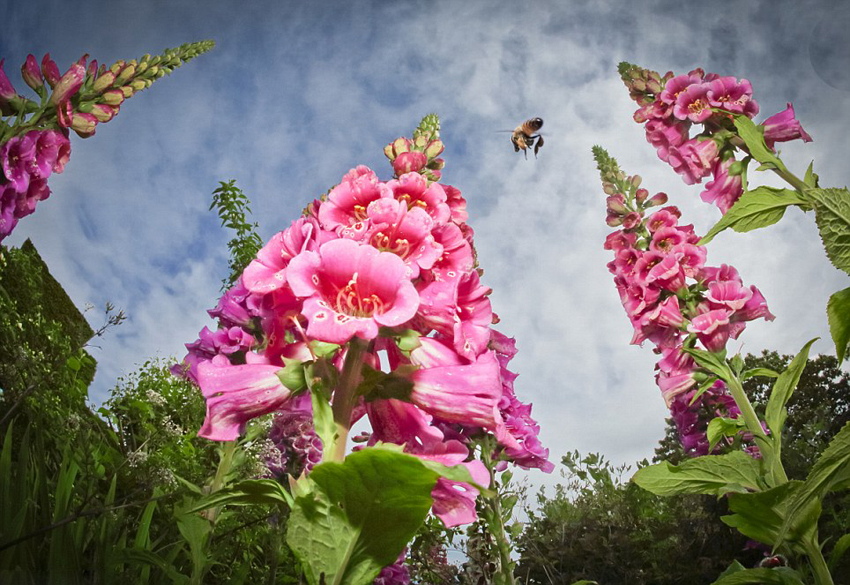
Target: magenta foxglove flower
(694, 159)
(413, 190)
(268, 271)
(783, 127)
(235, 395)
(712, 328)
(50, 70)
(725, 189)
(677, 85)
(17, 156)
(693, 104)
(351, 289)
(69, 84)
(31, 73)
(347, 202)
(732, 95)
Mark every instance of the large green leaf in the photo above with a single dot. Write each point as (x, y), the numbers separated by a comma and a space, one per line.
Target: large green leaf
(761, 207)
(832, 214)
(760, 515)
(711, 474)
(776, 412)
(838, 550)
(831, 472)
(838, 312)
(778, 576)
(721, 427)
(360, 513)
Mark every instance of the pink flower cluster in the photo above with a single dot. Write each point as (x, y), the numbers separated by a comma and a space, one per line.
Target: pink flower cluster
(374, 261)
(672, 298)
(671, 106)
(27, 163)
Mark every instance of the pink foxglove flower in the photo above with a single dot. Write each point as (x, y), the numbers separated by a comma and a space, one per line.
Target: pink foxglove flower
(693, 104)
(694, 159)
(783, 127)
(347, 202)
(69, 84)
(351, 289)
(725, 189)
(732, 95)
(235, 395)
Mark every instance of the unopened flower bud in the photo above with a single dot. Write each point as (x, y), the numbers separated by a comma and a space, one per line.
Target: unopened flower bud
(92, 69)
(736, 168)
(635, 180)
(641, 195)
(409, 162)
(153, 71)
(69, 84)
(117, 66)
(420, 142)
(614, 219)
(436, 164)
(113, 97)
(616, 204)
(434, 149)
(657, 199)
(83, 60)
(126, 73)
(400, 145)
(50, 70)
(128, 91)
(31, 73)
(83, 124)
(139, 84)
(103, 112)
(609, 188)
(653, 86)
(104, 81)
(141, 67)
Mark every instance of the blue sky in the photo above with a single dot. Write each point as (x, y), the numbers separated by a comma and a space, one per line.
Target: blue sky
(296, 93)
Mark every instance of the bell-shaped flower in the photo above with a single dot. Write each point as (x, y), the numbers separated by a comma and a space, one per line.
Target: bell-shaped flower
(347, 202)
(413, 190)
(17, 156)
(732, 95)
(457, 257)
(267, 272)
(725, 189)
(665, 134)
(456, 203)
(727, 294)
(694, 159)
(351, 289)
(678, 85)
(237, 394)
(754, 308)
(783, 127)
(712, 329)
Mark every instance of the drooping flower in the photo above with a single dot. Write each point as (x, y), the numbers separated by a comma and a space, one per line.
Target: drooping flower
(783, 127)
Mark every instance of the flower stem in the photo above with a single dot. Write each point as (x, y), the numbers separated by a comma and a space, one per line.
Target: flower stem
(345, 396)
(504, 575)
(224, 465)
(818, 563)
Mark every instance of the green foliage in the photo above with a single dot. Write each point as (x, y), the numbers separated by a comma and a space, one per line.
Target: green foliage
(711, 474)
(233, 208)
(838, 312)
(761, 207)
(832, 214)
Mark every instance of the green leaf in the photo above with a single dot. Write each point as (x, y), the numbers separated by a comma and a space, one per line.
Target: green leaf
(703, 388)
(838, 550)
(832, 214)
(838, 313)
(720, 428)
(73, 364)
(761, 207)
(776, 412)
(711, 474)
(733, 567)
(250, 492)
(585, 582)
(760, 515)
(753, 137)
(359, 514)
(713, 362)
(765, 372)
(292, 376)
(830, 472)
(323, 349)
(323, 420)
(811, 179)
(778, 576)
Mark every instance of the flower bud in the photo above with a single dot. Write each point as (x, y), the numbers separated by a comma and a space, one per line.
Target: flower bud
(409, 162)
(616, 204)
(434, 149)
(83, 60)
(153, 71)
(436, 164)
(126, 73)
(65, 114)
(657, 199)
(113, 97)
(117, 66)
(609, 188)
(128, 91)
(69, 84)
(420, 142)
(103, 112)
(139, 84)
(141, 67)
(31, 73)
(50, 70)
(641, 195)
(400, 145)
(736, 168)
(104, 81)
(7, 92)
(388, 151)
(83, 124)
(636, 181)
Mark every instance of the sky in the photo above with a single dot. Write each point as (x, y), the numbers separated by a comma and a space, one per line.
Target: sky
(297, 93)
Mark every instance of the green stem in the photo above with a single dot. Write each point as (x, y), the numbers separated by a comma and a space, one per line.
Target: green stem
(345, 394)
(770, 456)
(504, 575)
(818, 563)
(792, 179)
(224, 465)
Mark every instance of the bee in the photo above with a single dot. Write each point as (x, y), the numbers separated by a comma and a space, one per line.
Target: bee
(524, 136)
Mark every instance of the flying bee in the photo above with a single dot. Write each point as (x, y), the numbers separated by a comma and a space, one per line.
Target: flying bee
(525, 136)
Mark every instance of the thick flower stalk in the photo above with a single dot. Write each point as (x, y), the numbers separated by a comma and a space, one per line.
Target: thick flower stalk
(372, 303)
(34, 132)
(688, 119)
(674, 299)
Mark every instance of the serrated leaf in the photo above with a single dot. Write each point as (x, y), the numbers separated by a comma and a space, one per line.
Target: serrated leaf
(838, 314)
(832, 214)
(760, 515)
(710, 474)
(761, 207)
(811, 179)
(753, 137)
(830, 472)
(359, 515)
(776, 412)
(778, 576)
(720, 428)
